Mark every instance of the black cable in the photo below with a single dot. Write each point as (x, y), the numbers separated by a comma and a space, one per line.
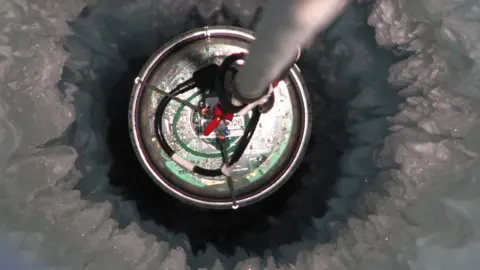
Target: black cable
(230, 184)
(239, 150)
(246, 137)
(201, 79)
(213, 78)
(224, 94)
(159, 113)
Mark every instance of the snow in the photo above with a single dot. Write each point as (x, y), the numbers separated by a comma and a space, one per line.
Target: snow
(402, 76)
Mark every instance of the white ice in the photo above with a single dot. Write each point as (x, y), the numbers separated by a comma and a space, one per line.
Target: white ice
(409, 203)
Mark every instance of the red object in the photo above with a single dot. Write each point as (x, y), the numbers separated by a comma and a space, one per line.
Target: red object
(219, 115)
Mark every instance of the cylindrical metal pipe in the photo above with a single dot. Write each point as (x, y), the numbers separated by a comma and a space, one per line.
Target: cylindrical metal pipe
(285, 26)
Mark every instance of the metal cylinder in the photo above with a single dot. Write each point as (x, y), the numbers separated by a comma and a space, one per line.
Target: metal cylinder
(274, 152)
(286, 26)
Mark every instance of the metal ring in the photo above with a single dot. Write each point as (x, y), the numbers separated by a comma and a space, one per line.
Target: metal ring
(137, 115)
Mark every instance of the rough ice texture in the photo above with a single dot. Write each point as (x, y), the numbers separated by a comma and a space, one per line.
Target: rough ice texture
(410, 203)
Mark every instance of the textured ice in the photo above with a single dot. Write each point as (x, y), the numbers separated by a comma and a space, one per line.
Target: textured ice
(407, 195)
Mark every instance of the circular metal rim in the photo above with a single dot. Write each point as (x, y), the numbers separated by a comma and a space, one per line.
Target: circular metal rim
(149, 167)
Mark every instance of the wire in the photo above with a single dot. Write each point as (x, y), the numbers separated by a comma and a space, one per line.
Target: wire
(172, 96)
(210, 77)
(246, 137)
(221, 142)
(238, 152)
(241, 146)
(159, 115)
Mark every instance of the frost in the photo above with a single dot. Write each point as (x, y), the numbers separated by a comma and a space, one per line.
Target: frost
(407, 189)
(441, 91)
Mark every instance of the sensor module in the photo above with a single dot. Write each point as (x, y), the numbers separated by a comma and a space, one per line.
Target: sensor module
(199, 152)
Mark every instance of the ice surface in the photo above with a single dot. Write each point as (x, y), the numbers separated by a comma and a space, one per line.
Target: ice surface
(406, 201)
